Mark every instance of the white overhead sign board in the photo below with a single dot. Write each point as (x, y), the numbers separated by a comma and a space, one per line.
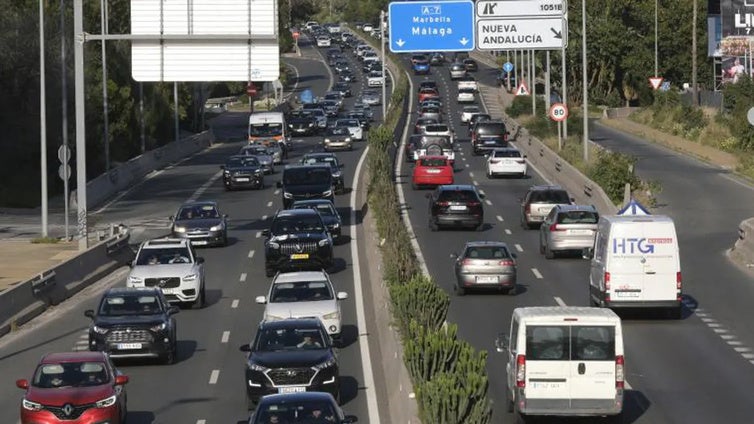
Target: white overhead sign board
(520, 8)
(549, 33)
(231, 59)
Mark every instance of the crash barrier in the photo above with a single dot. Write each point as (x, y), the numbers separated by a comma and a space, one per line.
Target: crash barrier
(32, 297)
(743, 250)
(619, 112)
(124, 176)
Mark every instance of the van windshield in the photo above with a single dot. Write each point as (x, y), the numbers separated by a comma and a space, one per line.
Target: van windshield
(578, 343)
(266, 130)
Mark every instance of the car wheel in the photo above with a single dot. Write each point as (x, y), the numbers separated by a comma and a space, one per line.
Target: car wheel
(199, 302)
(225, 240)
(508, 399)
(513, 290)
(433, 225)
(169, 357)
(460, 290)
(414, 186)
(549, 253)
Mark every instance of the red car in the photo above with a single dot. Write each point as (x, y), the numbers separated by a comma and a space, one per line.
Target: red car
(428, 93)
(432, 171)
(74, 388)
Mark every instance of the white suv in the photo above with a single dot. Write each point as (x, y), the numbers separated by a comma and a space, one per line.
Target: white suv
(306, 294)
(172, 265)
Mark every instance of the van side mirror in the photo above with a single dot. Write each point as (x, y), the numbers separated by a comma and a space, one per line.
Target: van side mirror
(587, 253)
(502, 342)
(89, 313)
(266, 233)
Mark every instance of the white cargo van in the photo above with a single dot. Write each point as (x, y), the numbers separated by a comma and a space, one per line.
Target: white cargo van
(564, 361)
(635, 263)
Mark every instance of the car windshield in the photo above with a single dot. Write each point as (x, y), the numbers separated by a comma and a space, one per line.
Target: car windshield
(506, 154)
(457, 196)
(265, 130)
(164, 256)
(241, 162)
(70, 374)
(255, 150)
(307, 176)
(300, 291)
(324, 209)
(338, 131)
(437, 128)
(132, 304)
(197, 212)
(302, 411)
(274, 340)
(297, 224)
(550, 196)
(332, 96)
(471, 109)
(491, 128)
(314, 160)
(433, 162)
(487, 252)
(578, 217)
(347, 123)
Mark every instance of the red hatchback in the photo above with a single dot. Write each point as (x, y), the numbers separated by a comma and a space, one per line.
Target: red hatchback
(428, 93)
(432, 171)
(74, 388)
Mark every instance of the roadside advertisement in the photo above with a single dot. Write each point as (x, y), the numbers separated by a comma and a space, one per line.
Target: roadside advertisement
(737, 17)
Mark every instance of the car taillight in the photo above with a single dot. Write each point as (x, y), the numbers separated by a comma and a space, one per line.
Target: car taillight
(468, 261)
(473, 204)
(505, 137)
(506, 262)
(554, 227)
(521, 371)
(441, 203)
(619, 376)
(607, 286)
(678, 285)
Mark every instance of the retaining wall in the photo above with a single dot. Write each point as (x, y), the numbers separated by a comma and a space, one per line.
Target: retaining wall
(743, 250)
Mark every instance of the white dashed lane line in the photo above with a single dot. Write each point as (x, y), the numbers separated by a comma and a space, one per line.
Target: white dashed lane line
(201, 422)
(214, 376)
(259, 234)
(471, 174)
(518, 247)
(559, 301)
(466, 165)
(269, 204)
(507, 231)
(277, 191)
(242, 278)
(225, 337)
(536, 273)
(234, 304)
(487, 201)
(264, 217)
(500, 218)
(251, 254)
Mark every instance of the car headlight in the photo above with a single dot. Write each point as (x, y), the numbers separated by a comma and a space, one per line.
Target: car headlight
(159, 327)
(327, 140)
(273, 245)
(311, 124)
(332, 315)
(104, 403)
(179, 229)
(327, 193)
(135, 280)
(226, 172)
(99, 330)
(323, 242)
(216, 228)
(348, 139)
(190, 277)
(258, 171)
(254, 367)
(287, 195)
(336, 225)
(31, 406)
(336, 174)
(327, 364)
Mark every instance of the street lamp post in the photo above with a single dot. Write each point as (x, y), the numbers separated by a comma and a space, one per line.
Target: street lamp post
(584, 82)
(656, 65)
(43, 116)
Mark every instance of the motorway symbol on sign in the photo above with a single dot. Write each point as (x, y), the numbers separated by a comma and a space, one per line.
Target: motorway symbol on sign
(521, 8)
(440, 26)
(558, 112)
(513, 34)
(655, 82)
(522, 89)
(507, 67)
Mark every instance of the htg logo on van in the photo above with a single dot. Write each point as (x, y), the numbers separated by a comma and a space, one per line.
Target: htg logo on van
(632, 245)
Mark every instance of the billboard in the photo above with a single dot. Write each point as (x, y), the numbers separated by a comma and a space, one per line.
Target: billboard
(737, 17)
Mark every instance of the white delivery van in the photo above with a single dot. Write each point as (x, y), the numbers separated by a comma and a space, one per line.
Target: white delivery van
(635, 263)
(564, 361)
(267, 127)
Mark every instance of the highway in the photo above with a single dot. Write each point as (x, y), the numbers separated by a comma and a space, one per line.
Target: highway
(206, 385)
(696, 370)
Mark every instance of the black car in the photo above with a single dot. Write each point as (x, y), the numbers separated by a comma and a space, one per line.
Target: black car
(331, 160)
(327, 211)
(361, 116)
(436, 59)
(134, 323)
(479, 117)
(456, 206)
(200, 222)
(347, 76)
(343, 88)
(241, 172)
(341, 66)
(487, 135)
(306, 407)
(303, 182)
(301, 122)
(484, 144)
(428, 84)
(291, 356)
(470, 65)
(297, 239)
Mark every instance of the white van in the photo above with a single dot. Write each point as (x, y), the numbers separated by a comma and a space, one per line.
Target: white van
(635, 263)
(267, 128)
(564, 361)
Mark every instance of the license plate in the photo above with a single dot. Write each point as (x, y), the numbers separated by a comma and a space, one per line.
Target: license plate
(546, 385)
(300, 256)
(580, 232)
(433, 171)
(242, 180)
(199, 242)
(458, 208)
(294, 389)
(168, 291)
(129, 346)
(489, 279)
(627, 293)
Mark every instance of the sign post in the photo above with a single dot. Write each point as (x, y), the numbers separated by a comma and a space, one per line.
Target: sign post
(508, 67)
(295, 35)
(417, 26)
(251, 91)
(559, 113)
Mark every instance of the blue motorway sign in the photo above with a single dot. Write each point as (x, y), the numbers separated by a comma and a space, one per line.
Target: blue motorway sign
(507, 66)
(425, 26)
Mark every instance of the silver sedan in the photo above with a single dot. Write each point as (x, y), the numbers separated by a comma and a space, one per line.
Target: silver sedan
(485, 265)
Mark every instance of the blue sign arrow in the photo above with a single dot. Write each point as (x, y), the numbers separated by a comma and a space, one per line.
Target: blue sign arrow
(440, 26)
(507, 67)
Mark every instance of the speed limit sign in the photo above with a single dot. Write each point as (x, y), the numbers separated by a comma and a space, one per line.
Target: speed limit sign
(558, 112)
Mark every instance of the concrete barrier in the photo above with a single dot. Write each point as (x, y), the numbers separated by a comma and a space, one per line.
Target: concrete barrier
(619, 112)
(742, 251)
(124, 176)
(32, 297)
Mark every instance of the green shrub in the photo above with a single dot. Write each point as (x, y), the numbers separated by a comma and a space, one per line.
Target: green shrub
(451, 398)
(521, 105)
(419, 301)
(611, 171)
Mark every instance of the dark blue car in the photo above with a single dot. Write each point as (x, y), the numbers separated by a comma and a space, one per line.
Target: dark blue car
(421, 67)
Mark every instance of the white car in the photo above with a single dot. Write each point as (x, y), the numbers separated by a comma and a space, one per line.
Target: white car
(375, 79)
(306, 294)
(468, 112)
(172, 265)
(506, 161)
(466, 95)
(354, 127)
(370, 56)
(367, 28)
(323, 41)
(468, 82)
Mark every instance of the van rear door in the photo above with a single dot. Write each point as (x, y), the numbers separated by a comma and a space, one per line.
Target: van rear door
(547, 366)
(592, 367)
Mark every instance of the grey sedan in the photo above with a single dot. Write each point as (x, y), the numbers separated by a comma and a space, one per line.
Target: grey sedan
(485, 265)
(568, 228)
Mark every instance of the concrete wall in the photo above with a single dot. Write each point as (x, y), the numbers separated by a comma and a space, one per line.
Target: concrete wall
(124, 176)
(30, 298)
(743, 250)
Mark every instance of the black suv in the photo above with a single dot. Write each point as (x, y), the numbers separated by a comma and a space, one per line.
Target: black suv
(488, 135)
(297, 239)
(242, 171)
(455, 205)
(330, 159)
(134, 322)
(301, 122)
(304, 182)
(291, 356)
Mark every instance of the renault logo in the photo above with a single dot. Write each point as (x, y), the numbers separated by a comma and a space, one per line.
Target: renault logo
(299, 248)
(68, 409)
(291, 373)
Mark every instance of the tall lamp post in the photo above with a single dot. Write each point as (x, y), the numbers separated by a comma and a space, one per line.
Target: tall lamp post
(584, 82)
(42, 116)
(656, 65)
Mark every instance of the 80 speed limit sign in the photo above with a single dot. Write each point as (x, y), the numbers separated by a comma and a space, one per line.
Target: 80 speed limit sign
(558, 112)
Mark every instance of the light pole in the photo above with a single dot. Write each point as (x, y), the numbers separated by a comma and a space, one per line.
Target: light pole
(693, 55)
(106, 130)
(64, 112)
(384, 76)
(43, 116)
(583, 82)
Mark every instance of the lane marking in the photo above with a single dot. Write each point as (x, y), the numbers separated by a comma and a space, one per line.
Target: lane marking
(500, 218)
(234, 304)
(259, 234)
(269, 204)
(214, 376)
(471, 174)
(536, 273)
(199, 191)
(507, 231)
(559, 301)
(277, 191)
(482, 192)
(487, 201)
(225, 337)
(243, 277)
(251, 254)
(201, 422)
(466, 164)
(264, 217)
(518, 247)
